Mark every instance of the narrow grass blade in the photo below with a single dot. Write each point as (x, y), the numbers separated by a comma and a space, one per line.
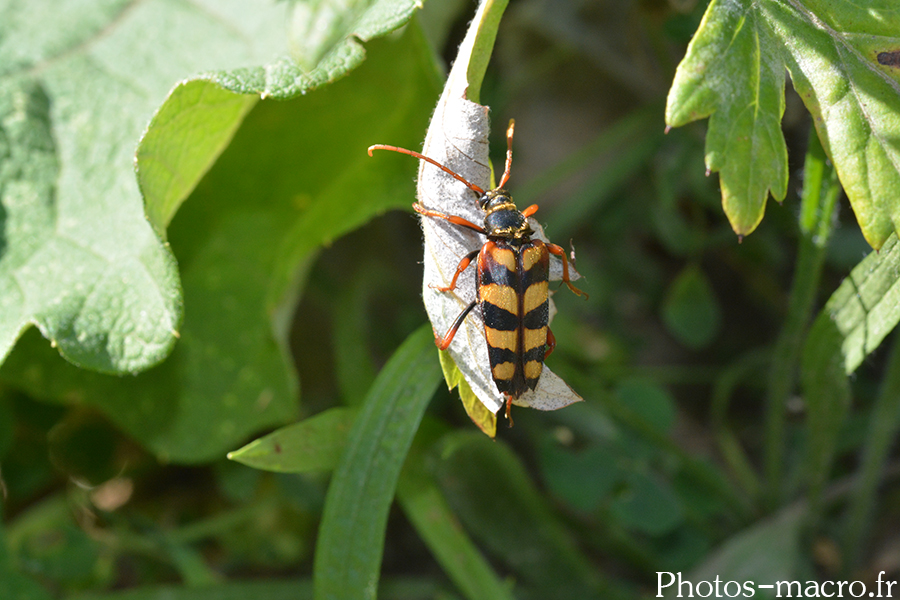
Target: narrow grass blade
(351, 536)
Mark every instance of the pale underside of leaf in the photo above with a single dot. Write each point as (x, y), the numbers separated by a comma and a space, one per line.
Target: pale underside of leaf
(458, 139)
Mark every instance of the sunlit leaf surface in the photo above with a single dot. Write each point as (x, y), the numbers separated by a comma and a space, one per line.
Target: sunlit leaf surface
(840, 58)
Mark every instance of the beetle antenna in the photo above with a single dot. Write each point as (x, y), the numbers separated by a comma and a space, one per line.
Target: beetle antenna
(415, 154)
(509, 138)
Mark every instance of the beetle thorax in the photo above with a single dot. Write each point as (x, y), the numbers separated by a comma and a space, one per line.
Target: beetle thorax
(502, 219)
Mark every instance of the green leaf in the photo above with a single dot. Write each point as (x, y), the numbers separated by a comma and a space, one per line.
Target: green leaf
(77, 258)
(314, 444)
(853, 323)
(295, 177)
(690, 310)
(478, 412)
(197, 120)
(862, 311)
(583, 479)
(653, 404)
(188, 132)
(351, 536)
(647, 504)
(734, 73)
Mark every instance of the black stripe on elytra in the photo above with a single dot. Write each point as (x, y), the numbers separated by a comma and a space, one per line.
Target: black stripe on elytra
(537, 317)
(536, 353)
(500, 355)
(498, 318)
(494, 272)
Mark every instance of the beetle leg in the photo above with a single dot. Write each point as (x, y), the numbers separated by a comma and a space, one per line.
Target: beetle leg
(444, 342)
(509, 409)
(551, 343)
(463, 265)
(453, 219)
(530, 210)
(554, 249)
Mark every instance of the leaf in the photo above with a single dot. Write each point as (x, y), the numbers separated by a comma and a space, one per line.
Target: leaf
(76, 259)
(653, 404)
(314, 444)
(648, 505)
(458, 138)
(733, 72)
(690, 310)
(351, 535)
(480, 414)
(277, 194)
(200, 115)
(861, 312)
(583, 479)
(853, 323)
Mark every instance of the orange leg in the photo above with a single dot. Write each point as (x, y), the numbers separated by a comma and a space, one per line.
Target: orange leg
(556, 250)
(444, 342)
(551, 343)
(509, 138)
(530, 210)
(453, 219)
(463, 265)
(509, 409)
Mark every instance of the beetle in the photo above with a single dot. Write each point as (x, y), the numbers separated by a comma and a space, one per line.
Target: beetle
(512, 281)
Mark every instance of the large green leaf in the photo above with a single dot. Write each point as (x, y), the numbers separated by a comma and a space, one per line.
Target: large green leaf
(197, 119)
(296, 176)
(837, 55)
(79, 82)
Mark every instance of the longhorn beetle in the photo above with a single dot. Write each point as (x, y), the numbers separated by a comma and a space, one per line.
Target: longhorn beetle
(512, 282)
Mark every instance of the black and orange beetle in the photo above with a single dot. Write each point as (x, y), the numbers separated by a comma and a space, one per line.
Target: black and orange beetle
(512, 282)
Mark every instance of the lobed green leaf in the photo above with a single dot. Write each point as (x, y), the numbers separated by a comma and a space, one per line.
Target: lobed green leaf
(837, 54)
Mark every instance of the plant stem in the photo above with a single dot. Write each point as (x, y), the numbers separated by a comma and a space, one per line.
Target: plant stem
(818, 201)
